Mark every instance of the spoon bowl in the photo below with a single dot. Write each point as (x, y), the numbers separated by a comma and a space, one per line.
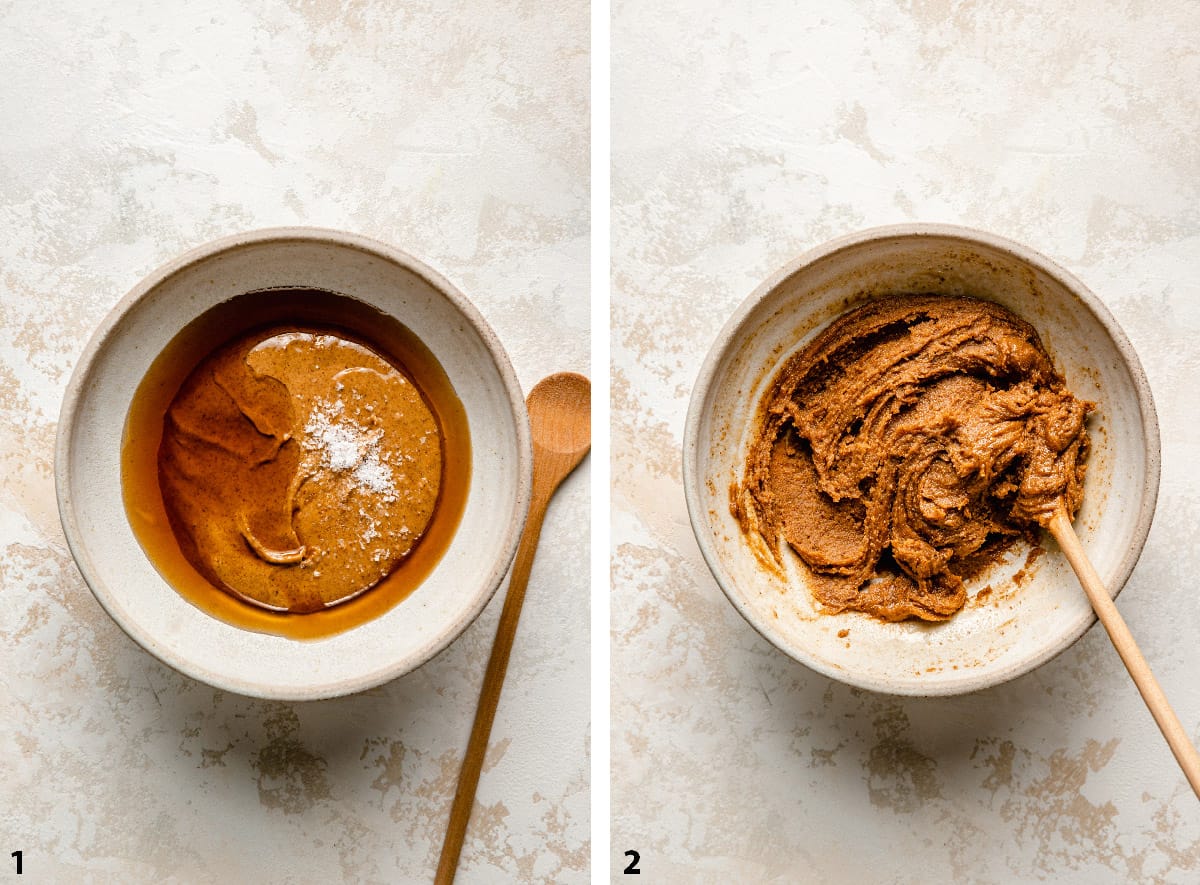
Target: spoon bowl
(560, 417)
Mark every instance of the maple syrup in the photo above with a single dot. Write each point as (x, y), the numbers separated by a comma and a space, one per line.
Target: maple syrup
(170, 532)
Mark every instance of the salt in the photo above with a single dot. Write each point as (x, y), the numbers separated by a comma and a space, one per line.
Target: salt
(342, 445)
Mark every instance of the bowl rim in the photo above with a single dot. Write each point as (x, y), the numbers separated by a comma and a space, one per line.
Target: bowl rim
(731, 332)
(76, 393)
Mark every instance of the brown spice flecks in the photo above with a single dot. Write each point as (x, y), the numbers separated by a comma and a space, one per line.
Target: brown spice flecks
(1021, 575)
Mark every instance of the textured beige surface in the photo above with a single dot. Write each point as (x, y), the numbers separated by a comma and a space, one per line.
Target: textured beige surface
(743, 137)
(456, 131)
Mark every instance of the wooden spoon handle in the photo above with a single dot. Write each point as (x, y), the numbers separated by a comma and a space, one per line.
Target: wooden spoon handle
(489, 695)
(1106, 610)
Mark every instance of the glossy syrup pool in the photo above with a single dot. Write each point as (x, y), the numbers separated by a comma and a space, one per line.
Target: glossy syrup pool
(309, 310)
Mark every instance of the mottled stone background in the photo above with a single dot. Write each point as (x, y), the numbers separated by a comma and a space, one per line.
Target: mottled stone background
(130, 132)
(746, 133)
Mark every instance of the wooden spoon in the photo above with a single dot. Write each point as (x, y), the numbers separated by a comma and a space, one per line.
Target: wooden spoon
(560, 419)
(1106, 610)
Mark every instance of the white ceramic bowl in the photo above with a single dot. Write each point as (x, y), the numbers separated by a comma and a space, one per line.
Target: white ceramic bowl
(88, 467)
(1011, 629)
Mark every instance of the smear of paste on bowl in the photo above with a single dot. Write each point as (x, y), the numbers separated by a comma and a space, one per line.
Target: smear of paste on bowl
(906, 447)
(298, 468)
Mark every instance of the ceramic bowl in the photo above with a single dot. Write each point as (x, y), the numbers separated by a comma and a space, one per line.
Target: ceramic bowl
(1026, 609)
(88, 468)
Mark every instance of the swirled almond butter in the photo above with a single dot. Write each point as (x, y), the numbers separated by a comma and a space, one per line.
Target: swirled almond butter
(298, 467)
(295, 462)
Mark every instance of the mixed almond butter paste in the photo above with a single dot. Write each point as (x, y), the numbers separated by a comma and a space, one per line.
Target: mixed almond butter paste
(905, 447)
(298, 467)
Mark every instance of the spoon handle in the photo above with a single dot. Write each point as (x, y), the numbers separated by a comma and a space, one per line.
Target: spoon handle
(1106, 610)
(489, 695)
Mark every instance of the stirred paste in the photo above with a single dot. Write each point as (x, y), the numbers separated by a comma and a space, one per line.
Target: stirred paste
(906, 447)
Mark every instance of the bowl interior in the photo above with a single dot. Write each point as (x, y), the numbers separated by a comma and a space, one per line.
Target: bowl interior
(157, 617)
(1030, 607)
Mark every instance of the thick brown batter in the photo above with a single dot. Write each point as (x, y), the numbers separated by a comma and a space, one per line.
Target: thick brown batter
(298, 467)
(907, 445)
